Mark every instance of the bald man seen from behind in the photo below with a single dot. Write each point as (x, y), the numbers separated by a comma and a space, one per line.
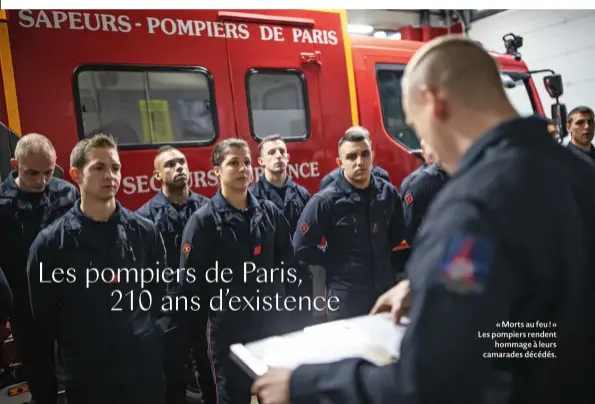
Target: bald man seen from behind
(500, 286)
(31, 199)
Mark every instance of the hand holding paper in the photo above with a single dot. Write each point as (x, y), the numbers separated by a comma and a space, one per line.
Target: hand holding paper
(396, 301)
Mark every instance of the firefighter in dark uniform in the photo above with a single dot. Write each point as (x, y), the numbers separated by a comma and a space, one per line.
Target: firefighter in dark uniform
(376, 170)
(170, 210)
(230, 247)
(31, 199)
(429, 158)
(276, 186)
(104, 319)
(361, 218)
(581, 126)
(420, 193)
(493, 255)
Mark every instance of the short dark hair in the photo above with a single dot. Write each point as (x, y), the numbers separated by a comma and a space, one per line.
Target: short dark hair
(269, 138)
(78, 156)
(355, 134)
(160, 151)
(222, 149)
(164, 149)
(582, 109)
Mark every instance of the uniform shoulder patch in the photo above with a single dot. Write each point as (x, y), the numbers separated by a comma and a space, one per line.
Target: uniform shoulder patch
(466, 263)
(409, 198)
(186, 248)
(304, 228)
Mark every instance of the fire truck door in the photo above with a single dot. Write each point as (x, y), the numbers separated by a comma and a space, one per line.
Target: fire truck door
(276, 91)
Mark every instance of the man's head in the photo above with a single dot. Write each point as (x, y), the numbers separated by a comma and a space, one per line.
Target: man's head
(452, 93)
(34, 161)
(580, 125)
(171, 168)
(552, 128)
(272, 154)
(95, 167)
(356, 156)
(427, 152)
(232, 164)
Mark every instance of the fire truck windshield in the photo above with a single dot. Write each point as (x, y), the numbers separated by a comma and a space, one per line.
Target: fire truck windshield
(519, 92)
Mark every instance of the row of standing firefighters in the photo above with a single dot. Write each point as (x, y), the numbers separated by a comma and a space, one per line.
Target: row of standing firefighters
(274, 223)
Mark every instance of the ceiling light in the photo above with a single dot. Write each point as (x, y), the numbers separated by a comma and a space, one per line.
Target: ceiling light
(360, 29)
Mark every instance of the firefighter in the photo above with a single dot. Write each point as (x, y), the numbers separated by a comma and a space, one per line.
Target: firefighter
(361, 218)
(170, 210)
(376, 170)
(229, 251)
(429, 158)
(110, 344)
(554, 130)
(31, 199)
(581, 125)
(420, 193)
(500, 236)
(276, 186)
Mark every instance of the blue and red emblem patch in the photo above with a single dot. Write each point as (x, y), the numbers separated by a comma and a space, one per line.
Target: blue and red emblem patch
(466, 263)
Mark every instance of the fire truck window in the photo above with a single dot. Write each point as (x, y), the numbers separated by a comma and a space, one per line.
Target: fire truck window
(277, 104)
(147, 107)
(389, 88)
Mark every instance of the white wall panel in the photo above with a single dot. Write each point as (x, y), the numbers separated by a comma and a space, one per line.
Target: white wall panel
(561, 40)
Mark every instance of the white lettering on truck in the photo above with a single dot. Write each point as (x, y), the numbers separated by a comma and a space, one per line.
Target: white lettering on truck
(75, 20)
(142, 184)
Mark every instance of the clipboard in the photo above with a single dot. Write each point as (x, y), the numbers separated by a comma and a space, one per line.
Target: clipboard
(374, 338)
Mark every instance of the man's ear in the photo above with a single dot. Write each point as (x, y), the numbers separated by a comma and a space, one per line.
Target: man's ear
(339, 163)
(14, 163)
(75, 174)
(157, 175)
(261, 161)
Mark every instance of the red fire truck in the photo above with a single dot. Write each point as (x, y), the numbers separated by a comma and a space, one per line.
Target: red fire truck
(192, 78)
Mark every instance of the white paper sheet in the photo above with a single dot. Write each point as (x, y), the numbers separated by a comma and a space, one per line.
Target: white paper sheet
(375, 338)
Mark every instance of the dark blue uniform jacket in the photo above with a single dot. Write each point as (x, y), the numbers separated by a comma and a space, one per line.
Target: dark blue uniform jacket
(360, 228)
(107, 333)
(509, 239)
(22, 216)
(290, 199)
(332, 176)
(407, 180)
(418, 196)
(170, 220)
(587, 156)
(221, 236)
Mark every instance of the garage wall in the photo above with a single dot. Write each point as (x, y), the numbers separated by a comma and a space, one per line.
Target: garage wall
(561, 40)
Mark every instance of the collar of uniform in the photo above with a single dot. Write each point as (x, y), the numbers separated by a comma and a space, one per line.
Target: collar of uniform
(11, 183)
(268, 186)
(527, 127)
(591, 151)
(118, 217)
(221, 203)
(346, 186)
(161, 200)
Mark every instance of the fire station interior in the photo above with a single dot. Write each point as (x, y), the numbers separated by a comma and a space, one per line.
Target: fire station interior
(109, 99)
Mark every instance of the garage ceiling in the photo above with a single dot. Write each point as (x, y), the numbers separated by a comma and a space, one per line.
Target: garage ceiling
(393, 20)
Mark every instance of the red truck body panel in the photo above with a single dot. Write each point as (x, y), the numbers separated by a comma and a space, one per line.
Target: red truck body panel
(165, 73)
